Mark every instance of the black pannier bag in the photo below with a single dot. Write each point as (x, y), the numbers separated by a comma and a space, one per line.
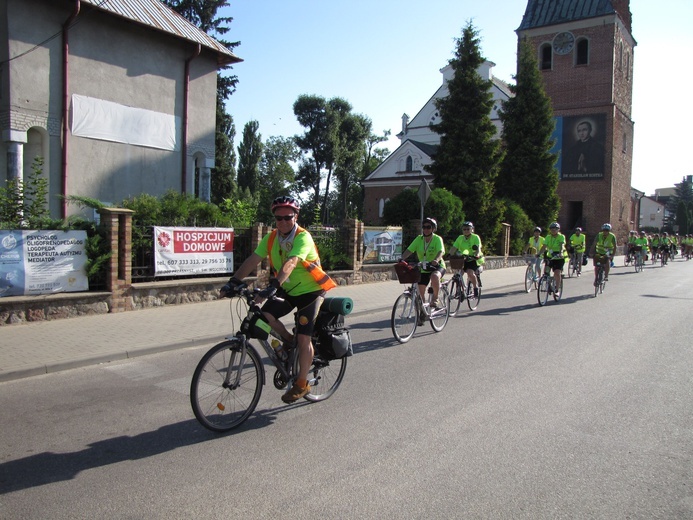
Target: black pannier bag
(333, 339)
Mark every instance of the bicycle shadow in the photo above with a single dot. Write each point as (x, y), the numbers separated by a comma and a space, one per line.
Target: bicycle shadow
(381, 326)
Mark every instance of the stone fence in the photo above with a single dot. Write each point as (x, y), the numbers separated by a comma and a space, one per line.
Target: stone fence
(123, 295)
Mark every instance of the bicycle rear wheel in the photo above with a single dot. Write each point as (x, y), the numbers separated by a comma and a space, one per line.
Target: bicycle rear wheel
(324, 377)
(439, 316)
(404, 317)
(557, 295)
(599, 281)
(543, 291)
(472, 299)
(529, 278)
(226, 385)
(454, 296)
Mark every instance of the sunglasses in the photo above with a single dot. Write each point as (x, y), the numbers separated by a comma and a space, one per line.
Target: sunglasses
(426, 227)
(279, 218)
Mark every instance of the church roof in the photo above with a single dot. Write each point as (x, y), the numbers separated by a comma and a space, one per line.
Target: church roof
(552, 12)
(428, 149)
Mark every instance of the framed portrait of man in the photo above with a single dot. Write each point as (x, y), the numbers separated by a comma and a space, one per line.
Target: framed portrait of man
(583, 143)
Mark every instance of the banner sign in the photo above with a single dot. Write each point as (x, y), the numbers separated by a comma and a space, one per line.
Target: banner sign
(42, 262)
(382, 245)
(185, 251)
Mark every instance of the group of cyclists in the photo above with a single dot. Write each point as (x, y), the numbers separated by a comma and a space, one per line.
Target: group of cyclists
(661, 246)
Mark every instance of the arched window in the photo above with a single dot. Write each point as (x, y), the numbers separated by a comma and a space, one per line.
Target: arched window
(582, 52)
(625, 143)
(627, 65)
(620, 55)
(546, 57)
(381, 207)
(410, 163)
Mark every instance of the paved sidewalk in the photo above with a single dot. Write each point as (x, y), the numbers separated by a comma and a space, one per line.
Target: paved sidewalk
(37, 348)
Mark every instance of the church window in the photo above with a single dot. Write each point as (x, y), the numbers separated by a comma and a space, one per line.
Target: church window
(625, 143)
(583, 51)
(620, 55)
(627, 65)
(546, 57)
(410, 163)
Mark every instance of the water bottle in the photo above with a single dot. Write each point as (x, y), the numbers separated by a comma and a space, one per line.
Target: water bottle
(279, 349)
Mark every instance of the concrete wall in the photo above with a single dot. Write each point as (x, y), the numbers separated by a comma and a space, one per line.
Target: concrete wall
(113, 60)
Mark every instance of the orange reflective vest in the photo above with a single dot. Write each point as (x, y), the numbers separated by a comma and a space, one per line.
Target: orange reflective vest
(320, 276)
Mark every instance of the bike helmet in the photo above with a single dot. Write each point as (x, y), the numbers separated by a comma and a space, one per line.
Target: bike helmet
(578, 229)
(643, 232)
(606, 227)
(468, 224)
(632, 232)
(537, 229)
(285, 202)
(555, 225)
(431, 221)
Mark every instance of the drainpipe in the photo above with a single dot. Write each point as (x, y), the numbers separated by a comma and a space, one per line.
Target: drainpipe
(184, 137)
(66, 106)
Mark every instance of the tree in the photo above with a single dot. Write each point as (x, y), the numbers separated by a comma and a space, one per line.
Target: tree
(353, 134)
(468, 158)
(441, 205)
(224, 171)
(249, 157)
(277, 176)
(681, 205)
(528, 175)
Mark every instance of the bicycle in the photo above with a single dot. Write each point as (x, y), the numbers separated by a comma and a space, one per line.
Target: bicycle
(664, 256)
(547, 285)
(600, 279)
(629, 257)
(531, 277)
(458, 290)
(638, 261)
(228, 381)
(575, 266)
(409, 306)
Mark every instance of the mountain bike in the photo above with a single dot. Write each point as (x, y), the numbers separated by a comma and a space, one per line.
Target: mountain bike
(458, 290)
(228, 380)
(410, 311)
(531, 276)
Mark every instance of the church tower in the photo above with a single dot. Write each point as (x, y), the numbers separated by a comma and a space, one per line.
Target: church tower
(585, 53)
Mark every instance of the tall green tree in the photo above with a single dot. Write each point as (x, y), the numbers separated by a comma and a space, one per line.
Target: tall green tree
(249, 157)
(681, 206)
(277, 175)
(528, 174)
(354, 132)
(203, 14)
(468, 158)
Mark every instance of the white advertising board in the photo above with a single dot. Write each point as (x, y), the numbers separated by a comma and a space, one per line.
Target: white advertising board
(185, 251)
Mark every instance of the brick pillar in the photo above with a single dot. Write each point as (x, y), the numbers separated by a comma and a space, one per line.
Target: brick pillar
(354, 230)
(257, 232)
(118, 225)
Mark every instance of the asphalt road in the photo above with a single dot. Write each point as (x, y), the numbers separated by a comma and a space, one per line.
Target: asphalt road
(575, 410)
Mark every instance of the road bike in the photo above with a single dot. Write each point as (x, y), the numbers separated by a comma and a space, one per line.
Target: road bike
(547, 286)
(458, 290)
(410, 311)
(600, 279)
(228, 381)
(531, 276)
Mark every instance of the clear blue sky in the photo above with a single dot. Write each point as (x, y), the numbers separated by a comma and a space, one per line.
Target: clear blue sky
(384, 57)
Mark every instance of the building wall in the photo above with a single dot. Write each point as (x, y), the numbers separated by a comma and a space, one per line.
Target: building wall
(144, 69)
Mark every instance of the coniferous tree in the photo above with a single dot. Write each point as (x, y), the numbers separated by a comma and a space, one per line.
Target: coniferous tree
(468, 157)
(224, 171)
(680, 206)
(249, 157)
(528, 175)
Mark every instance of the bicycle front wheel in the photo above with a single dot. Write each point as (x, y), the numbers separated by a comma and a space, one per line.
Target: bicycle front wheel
(439, 316)
(529, 278)
(473, 299)
(324, 377)
(454, 296)
(226, 385)
(543, 291)
(557, 295)
(404, 317)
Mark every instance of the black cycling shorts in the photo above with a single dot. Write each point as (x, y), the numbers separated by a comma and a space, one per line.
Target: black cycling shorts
(307, 307)
(557, 263)
(426, 277)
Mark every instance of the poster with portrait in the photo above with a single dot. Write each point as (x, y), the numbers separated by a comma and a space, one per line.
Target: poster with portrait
(583, 141)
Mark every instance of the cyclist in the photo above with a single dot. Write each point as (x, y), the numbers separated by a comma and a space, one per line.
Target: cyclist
(295, 276)
(554, 251)
(429, 248)
(533, 246)
(654, 244)
(641, 242)
(665, 246)
(470, 242)
(603, 242)
(577, 244)
(630, 244)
